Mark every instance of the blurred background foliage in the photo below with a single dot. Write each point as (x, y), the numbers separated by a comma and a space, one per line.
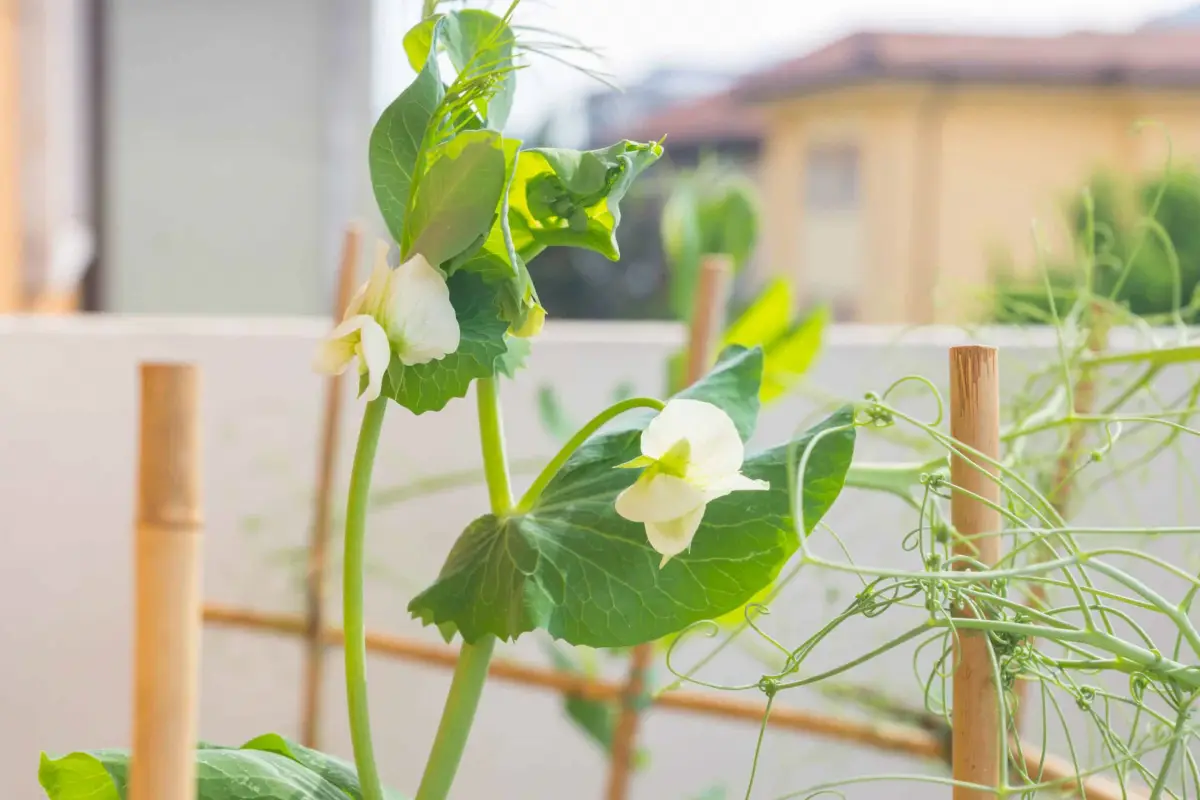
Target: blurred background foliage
(1146, 252)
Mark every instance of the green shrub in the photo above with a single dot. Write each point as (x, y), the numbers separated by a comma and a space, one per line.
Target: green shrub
(1139, 245)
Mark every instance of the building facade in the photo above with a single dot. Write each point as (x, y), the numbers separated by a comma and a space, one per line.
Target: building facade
(895, 167)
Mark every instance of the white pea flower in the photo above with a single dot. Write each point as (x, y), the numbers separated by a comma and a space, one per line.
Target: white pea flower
(692, 455)
(406, 310)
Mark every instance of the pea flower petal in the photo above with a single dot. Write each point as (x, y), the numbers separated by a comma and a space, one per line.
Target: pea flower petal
(358, 337)
(423, 324)
(406, 311)
(716, 448)
(661, 499)
(674, 536)
(692, 454)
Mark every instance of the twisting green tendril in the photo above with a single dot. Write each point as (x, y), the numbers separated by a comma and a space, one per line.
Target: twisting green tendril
(1062, 647)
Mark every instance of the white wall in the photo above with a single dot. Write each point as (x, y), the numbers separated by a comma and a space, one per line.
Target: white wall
(236, 150)
(67, 460)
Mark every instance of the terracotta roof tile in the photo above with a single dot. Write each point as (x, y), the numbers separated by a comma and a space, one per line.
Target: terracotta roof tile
(1166, 58)
(712, 118)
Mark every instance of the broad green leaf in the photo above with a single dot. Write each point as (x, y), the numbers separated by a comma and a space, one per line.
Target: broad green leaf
(575, 568)
(456, 199)
(267, 767)
(496, 259)
(789, 357)
(476, 37)
(397, 138)
(340, 773)
(428, 387)
(100, 775)
(591, 185)
(572, 197)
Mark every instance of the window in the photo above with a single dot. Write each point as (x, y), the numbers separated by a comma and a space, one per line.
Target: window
(831, 177)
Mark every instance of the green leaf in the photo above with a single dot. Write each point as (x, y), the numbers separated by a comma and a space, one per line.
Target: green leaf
(572, 197)
(84, 776)
(732, 385)
(396, 140)
(456, 200)
(428, 387)
(514, 358)
(591, 184)
(267, 767)
(729, 219)
(478, 38)
(496, 260)
(789, 349)
(711, 210)
(789, 357)
(478, 41)
(767, 318)
(419, 41)
(575, 568)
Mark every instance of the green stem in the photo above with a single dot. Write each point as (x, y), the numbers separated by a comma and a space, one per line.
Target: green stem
(897, 479)
(1146, 661)
(1177, 735)
(472, 670)
(551, 469)
(491, 438)
(352, 600)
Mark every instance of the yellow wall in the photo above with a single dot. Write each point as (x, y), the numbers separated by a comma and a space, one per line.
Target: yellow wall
(951, 176)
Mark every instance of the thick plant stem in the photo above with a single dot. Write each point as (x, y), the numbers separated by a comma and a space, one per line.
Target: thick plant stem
(491, 437)
(473, 659)
(457, 717)
(352, 600)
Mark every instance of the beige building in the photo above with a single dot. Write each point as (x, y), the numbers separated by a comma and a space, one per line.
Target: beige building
(895, 167)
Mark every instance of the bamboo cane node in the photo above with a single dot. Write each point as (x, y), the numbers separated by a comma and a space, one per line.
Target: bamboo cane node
(168, 523)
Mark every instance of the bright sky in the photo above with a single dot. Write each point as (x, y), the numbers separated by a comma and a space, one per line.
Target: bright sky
(638, 35)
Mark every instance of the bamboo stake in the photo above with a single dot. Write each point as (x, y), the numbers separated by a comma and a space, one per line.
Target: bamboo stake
(975, 423)
(317, 578)
(888, 737)
(168, 561)
(712, 295)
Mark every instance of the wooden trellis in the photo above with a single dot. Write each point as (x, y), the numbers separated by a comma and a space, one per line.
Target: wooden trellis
(975, 752)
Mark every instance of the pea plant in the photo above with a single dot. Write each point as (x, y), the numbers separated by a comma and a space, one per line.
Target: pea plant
(653, 520)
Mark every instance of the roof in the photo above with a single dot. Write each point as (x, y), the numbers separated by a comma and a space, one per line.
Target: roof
(1166, 58)
(1184, 18)
(719, 117)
